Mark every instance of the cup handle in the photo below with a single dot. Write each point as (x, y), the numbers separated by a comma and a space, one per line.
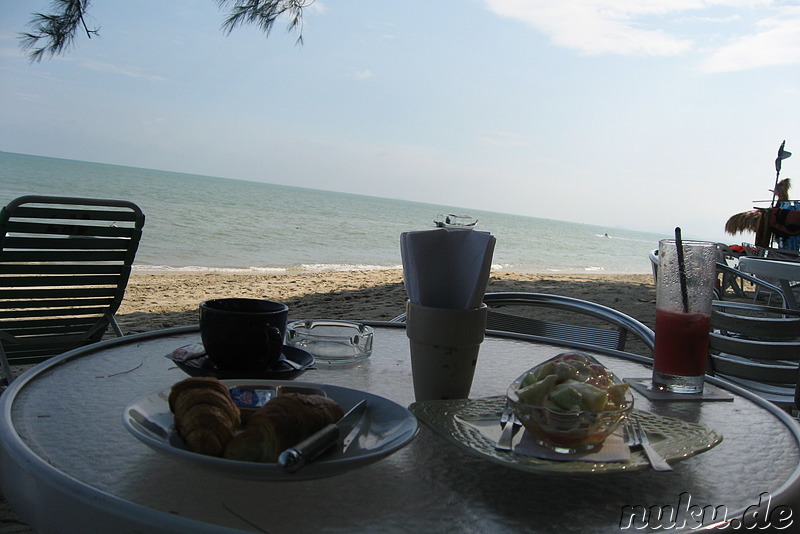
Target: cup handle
(275, 342)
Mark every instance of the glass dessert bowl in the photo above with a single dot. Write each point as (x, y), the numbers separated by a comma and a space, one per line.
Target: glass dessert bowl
(570, 403)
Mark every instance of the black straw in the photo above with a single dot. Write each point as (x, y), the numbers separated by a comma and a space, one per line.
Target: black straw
(682, 269)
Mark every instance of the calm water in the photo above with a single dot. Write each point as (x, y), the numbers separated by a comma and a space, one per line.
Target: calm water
(206, 223)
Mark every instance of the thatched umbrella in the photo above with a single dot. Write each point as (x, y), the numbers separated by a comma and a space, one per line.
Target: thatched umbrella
(750, 221)
(757, 220)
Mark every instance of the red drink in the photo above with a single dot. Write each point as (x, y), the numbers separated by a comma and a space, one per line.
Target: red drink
(681, 343)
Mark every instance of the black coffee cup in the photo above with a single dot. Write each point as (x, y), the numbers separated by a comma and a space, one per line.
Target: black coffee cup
(243, 334)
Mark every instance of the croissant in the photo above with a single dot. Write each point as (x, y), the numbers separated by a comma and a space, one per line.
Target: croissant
(205, 416)
(281, 423)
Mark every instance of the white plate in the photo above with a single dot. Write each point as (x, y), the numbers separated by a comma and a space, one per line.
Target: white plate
(386, 427)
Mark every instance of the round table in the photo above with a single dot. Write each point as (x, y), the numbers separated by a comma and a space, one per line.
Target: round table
(69, 465)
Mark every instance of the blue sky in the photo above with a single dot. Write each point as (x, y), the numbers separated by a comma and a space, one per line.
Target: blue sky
(641, 114)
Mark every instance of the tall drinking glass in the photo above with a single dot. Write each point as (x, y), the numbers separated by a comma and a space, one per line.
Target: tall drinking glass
(684, 292)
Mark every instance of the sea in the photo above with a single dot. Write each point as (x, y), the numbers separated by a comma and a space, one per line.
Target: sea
(212, 224)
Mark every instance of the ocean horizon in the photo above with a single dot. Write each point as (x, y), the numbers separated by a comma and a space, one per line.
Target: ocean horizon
(209, 224)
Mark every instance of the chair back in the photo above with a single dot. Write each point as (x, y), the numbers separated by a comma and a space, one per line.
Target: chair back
(616, 326)
(731, 278)
(605, 327)
(64, 266)
(757, 347)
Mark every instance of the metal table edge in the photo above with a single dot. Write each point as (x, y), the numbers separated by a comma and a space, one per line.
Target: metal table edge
(115, 509)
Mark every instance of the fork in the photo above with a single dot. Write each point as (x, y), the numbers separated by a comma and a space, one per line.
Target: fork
(505, 415)
(510, 424)
(635, 436)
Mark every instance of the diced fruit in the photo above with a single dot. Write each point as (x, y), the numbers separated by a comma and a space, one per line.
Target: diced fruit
(566, 397)
(577, 396)
(616, 394)
(541, 372)
(574, 356)
(572, 382)
(593, 398)
(536, 392)
(565, 371)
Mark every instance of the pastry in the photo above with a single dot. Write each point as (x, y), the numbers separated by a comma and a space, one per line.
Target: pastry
(192, 383)
(204, 414)
(281, 423)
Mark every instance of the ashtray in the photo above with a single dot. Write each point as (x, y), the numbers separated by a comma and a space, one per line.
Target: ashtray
(330, 341)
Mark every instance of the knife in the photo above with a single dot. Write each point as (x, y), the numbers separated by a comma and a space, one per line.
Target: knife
(296, 457)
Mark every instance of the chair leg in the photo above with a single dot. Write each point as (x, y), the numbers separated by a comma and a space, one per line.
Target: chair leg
(7, 373)
(115, 326)
(623, 338)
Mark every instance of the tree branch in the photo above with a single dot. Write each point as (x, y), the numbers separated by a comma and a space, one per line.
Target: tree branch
(54, 33)
(56, 30)
(264, 13)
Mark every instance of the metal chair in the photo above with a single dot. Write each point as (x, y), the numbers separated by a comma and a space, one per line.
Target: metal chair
(578, 336)
(732, 278)
(758, 348)
(773, 254)
(64, 266)
(760, 284)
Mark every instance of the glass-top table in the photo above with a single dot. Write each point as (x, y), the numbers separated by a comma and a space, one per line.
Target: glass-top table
(69, 464)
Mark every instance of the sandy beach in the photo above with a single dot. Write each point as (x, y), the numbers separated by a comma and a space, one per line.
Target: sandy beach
(159, 300)
(162, 300)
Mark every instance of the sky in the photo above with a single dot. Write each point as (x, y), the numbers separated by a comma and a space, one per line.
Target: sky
(641, 114)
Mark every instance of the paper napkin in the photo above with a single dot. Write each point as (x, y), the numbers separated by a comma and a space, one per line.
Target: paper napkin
(446, 268)
(613, 449)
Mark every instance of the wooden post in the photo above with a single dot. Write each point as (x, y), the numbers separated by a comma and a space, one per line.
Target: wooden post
(764, 232)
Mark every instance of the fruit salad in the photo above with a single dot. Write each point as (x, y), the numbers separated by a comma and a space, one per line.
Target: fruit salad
(572, 383)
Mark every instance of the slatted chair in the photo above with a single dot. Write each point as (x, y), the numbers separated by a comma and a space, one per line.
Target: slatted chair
(758, 348)
(613, 335)
(64, 266)
(733, 278)
(773, 254)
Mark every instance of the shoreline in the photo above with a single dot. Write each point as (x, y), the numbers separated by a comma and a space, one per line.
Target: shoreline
(196, 269)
